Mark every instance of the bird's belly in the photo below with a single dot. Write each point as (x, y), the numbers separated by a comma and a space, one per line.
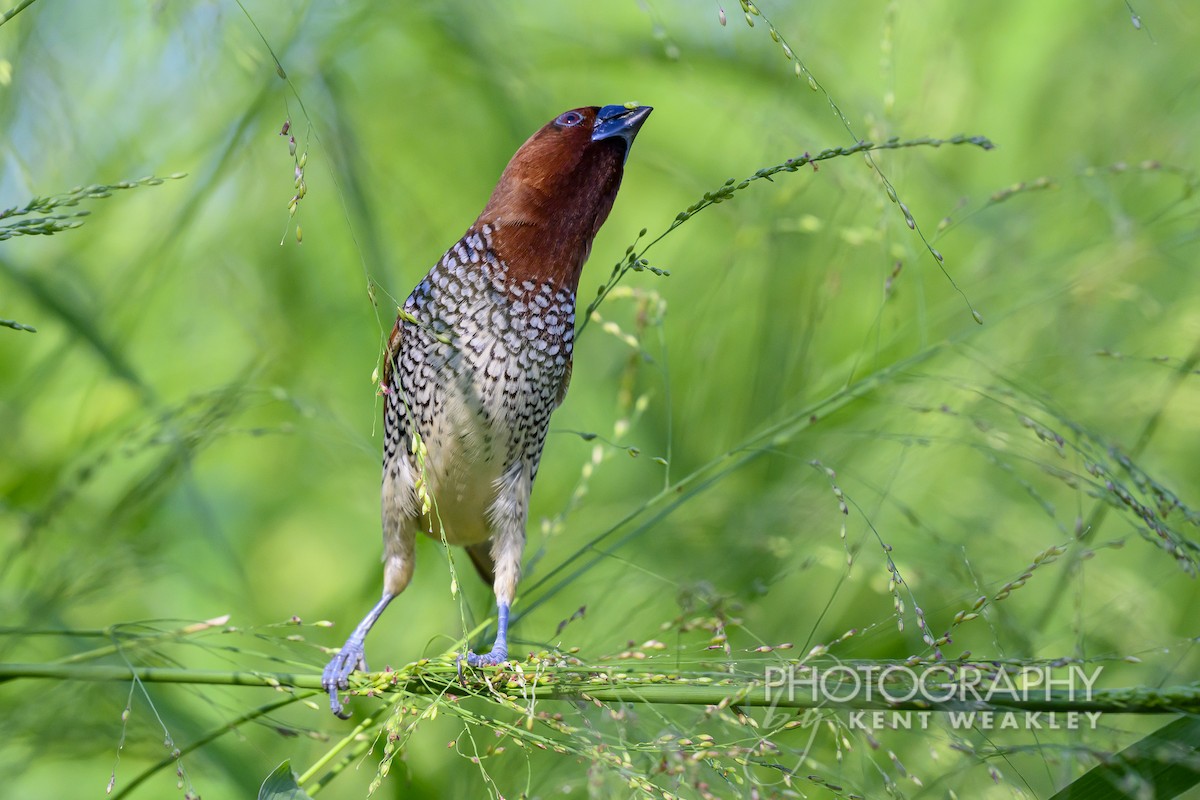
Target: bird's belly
(463, 465)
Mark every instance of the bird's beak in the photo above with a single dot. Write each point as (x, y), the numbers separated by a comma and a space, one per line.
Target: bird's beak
(619, 122)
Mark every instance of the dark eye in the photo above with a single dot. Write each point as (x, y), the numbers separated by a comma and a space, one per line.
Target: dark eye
(569, 120)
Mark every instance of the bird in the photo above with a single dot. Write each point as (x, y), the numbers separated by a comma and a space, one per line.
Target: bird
(479, 358)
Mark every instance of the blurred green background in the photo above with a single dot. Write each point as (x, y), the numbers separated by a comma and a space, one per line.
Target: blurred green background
(193, 430)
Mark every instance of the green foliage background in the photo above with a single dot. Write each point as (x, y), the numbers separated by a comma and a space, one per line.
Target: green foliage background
(193, 430)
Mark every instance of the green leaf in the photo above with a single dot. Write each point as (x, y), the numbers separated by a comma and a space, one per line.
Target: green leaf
(281, 785)
(1164, 764)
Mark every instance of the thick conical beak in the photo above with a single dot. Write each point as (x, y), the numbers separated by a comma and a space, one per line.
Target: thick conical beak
(619, 122)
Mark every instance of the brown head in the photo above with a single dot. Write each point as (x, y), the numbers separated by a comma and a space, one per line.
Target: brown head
(557, 191)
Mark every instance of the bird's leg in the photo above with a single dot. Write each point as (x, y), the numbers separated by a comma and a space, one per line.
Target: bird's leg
(352, 656)
(397, 571)
(507, 516)
(499, 651)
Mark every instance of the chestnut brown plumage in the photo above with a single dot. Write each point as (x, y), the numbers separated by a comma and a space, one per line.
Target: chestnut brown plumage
(479, 358)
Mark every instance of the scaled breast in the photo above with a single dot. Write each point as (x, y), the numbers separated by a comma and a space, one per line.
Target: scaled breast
(484, 367)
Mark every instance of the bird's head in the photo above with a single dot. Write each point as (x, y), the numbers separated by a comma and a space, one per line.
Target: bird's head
(557, 191)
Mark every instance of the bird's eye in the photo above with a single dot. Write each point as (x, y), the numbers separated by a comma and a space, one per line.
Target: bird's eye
(569, 120)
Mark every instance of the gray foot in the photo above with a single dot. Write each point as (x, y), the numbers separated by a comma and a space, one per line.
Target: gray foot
(497, 655)
(337, 673)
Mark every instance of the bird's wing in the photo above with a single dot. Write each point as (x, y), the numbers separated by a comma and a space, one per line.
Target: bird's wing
(389, 357)
(566, 384)
(398, 462)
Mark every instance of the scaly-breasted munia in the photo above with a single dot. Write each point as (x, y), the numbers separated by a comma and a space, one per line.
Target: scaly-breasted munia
(479, 358)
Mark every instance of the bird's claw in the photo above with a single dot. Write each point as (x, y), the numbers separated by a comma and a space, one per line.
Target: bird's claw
(337, 674)
(496, 655)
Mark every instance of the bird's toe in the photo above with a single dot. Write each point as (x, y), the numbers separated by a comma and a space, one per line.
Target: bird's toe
(336, 675)
(489, 659)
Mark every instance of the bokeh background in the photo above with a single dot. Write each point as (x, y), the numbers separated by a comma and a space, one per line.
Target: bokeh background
(193, 430)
